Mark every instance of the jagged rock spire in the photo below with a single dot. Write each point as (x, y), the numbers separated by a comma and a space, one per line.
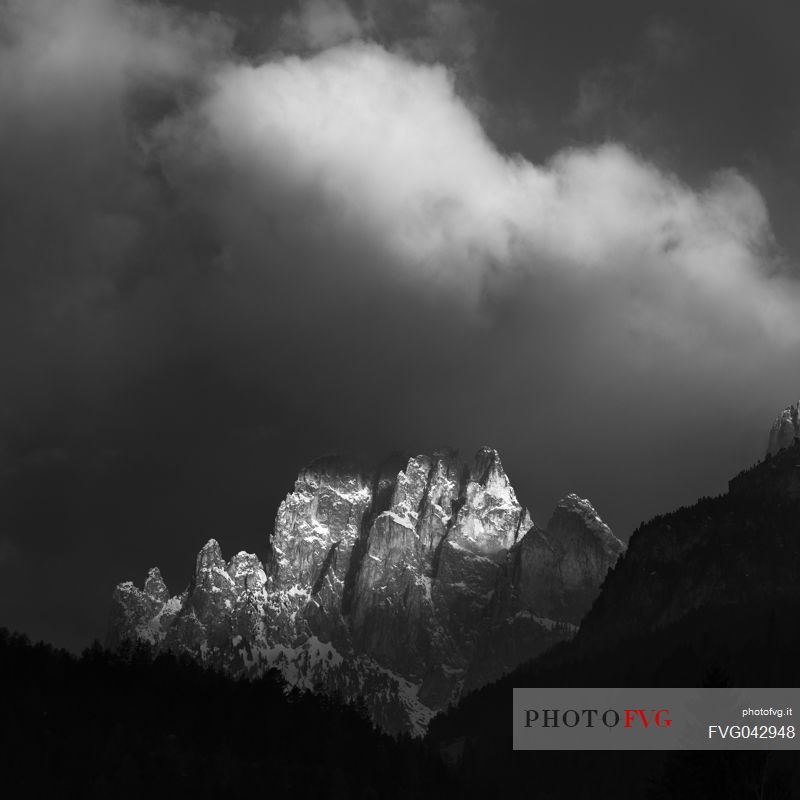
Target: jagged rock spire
(407, 584)
(785, 430)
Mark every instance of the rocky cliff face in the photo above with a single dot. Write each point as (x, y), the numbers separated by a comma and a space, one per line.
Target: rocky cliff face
(550, 578)
(405, 588)
(785, 430)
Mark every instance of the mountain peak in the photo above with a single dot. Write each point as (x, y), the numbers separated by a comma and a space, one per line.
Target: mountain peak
(488, 465)
(210, 555)
(488, 452)
(572, 502)
(154, 586)
(408, 584)
(785, 430)
(576, 516)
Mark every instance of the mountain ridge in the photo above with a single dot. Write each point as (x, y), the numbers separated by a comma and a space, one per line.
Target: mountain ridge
(394, 586)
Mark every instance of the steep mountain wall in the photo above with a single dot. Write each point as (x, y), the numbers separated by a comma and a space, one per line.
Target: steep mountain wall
(404, 588)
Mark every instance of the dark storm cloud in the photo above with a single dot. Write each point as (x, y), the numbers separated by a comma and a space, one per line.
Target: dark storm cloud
(696, 86)
(612, 97)
(218, 263)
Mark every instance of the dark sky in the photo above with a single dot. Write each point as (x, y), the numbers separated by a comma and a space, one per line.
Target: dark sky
(237, 236)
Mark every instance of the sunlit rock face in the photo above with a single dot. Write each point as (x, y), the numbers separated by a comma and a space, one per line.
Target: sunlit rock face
(548, 582)
(785, 430)
(406, 585)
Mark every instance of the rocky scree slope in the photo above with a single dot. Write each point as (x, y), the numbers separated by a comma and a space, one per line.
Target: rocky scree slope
(404, 588)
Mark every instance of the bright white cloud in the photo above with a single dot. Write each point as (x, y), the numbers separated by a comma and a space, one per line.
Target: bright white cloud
(362, 144)
(390, 152)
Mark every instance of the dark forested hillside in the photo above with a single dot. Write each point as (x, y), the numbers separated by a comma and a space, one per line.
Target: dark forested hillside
(125, 724)
(737, 549)
(733, 646)
(709, 594)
